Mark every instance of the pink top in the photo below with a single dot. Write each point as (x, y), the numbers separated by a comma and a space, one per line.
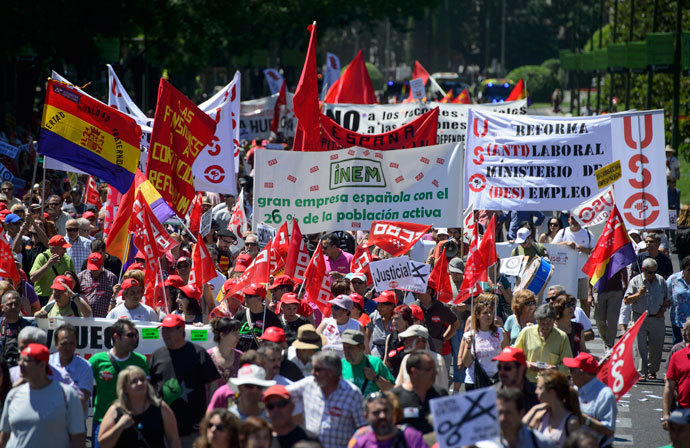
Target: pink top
(340, 264)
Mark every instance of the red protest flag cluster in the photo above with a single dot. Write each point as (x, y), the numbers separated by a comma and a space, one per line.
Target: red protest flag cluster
(482, 256)
(354, 85)
(316, 282)
(305, 101)
(91, 195)
(297, 259)
(439, 277)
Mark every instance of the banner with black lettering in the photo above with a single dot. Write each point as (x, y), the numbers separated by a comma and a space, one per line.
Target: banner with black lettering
(533, 163)
(256, 116)
(380, 118)
(94, 334)
(418, 132)
(350, 188)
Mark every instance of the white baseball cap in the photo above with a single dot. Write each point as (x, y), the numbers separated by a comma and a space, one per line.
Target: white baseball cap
(522, 235)
(250, 374)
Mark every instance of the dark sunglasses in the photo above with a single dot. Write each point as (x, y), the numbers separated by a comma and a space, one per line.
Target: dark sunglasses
(251, 244)
(506, 366)
(73, 230)
(553, 224)
(217, 426)
(530, 303)
(277, 405)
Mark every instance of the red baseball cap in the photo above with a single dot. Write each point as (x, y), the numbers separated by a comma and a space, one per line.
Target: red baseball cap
(175, 281)
(276, 391)
(387, 296)
(59, 241)
(37, 351)
(512, 354)
(94, 262)
(172, 321)
(282, 280)
(583, 361)
(191, 291)
(181, 259)
(242, 262)
(140, 255)
(357, 300)
(59, 280)
(431, 284)
(417, 312)
(129, 283)
(273, 334)
(88, 215)
(255, 289)
(137, 266)
(289, 297)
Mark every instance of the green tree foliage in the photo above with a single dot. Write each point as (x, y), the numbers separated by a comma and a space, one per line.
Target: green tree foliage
(541, 80)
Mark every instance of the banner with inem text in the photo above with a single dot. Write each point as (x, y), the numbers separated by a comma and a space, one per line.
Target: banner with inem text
(350, 188)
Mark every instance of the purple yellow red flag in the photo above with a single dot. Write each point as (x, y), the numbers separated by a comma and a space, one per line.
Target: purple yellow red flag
(84, 133)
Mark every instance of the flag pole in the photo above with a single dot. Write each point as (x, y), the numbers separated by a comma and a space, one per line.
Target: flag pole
(43, 187)
(186, 228)
(165, 293)
(125, 256)
(33, 181)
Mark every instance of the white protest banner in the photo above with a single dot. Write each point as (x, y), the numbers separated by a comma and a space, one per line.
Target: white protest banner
(256, 116)
(264, 234)
(391, 273)
(332, 69)
(512, 265)
(638, 142)
(533, 163)
(417, 88)
(380, 118)
(420, 276)
(206, 219)
(464, 419)
(274, 80)
(596, 209)
(348, 189)
(94, 334)
(210, 168)
(8, 150)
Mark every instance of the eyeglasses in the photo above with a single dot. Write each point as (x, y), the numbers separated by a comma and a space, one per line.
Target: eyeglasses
(530, 303)
(553, 224)
(249, 244)
(217, 426)
(6, 189)
(277, 405)
(133, 334)
(73, 229)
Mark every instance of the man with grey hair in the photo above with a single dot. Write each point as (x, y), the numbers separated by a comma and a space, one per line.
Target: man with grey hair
(81, 247)
(332, 406)
(36, 335)
(648, 292)
(544, 345)
(85, 229)
(580, 316)
(664, 264)
(11, 324)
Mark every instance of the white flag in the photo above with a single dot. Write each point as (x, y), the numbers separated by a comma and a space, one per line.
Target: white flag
(596, 209)
(468, 224)
(332, 69)
(274, 80)
(119, 99)
(210, 169)
(238, 222)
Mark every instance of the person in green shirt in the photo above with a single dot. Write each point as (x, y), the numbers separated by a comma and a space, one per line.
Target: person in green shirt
(366, 372)
(48, 265)
(64, 302)
(527, 246)
(107, 365)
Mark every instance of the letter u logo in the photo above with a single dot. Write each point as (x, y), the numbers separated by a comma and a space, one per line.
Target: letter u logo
(627, 132)
(486, 128)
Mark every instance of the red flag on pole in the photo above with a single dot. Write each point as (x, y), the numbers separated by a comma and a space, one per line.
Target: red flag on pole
(298, 257)
(462, 98)
(280, 104)
(195, 214)
(395, 237)
(91, 195)
(518, 92)
(619, 372)
(281, 242)
(360, 262)
(440, 277)
(474, 268)
(487, 247)
(203, 269)
(354, 85)
(257, 272)
(8, 268)
(316, 282)
(305, 102)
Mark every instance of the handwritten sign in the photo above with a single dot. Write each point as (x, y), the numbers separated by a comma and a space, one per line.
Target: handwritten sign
(417, 88)
(420, 276)
(391, 273)
(461, 420)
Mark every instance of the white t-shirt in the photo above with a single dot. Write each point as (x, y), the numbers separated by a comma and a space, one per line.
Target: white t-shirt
(488, 346)
(141, 312)
(582, 237)
(581, 318)
(333, 333)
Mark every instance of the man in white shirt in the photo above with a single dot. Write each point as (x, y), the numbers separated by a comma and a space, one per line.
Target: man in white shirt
(132, 308)
(583, 241)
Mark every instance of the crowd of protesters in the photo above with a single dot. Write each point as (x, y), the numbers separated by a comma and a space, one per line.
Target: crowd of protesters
(282, 373)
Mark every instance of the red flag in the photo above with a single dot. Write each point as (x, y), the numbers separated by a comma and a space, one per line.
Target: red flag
(180, 132)
(195, 214)
(298, 256)
(316, 282)
(360, 262)
(91, 195)
(354, 85)
(394, 237)
(474, 268)
(518, 92)
(448, 98)
(421, 131)
(111, 206)
(487, 247)
(257, 272)
(281, 242)
(203, 269)
(462, 98)
(8, 268)
(276, 263)
(305, 102)
(238, 221)
(280, 104)
(418, 72)
(439, 275)
(619, 372)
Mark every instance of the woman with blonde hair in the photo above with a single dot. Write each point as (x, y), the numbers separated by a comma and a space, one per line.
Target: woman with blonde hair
(219, 429)
(524, 304)
(138, 418)
(481, 343)
(558, 414)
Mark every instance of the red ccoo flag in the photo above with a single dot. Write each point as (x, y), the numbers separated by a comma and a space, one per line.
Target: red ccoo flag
(195, 214)
(441, 278)
(91, 195)
(619, 372)
(8, 268)
(487, 247)
(203, 269)
(394, 237)
(354, 85)
(474, 269)
(360, 262)
(305, 102)
(298, 256)
(316, 282)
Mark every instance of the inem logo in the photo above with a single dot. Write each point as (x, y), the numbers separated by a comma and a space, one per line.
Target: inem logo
(356, 173)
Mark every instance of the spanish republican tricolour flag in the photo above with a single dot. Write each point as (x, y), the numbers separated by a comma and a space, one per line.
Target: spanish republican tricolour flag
(87, 134)
(613, 252)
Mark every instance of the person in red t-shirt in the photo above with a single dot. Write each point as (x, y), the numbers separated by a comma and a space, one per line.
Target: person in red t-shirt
(677, 388)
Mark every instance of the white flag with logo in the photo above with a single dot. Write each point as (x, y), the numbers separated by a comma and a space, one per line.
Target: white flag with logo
(595, 210)
(238, 221)
(332, 69)
(119, 99)
(210, 169)
(274, 80)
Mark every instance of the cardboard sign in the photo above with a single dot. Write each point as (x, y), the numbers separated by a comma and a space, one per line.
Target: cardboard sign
(392, 273)
(264, 234)
(206, 219)
(417, 88)
(606, 175)
(461, 420)
(512, 265)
